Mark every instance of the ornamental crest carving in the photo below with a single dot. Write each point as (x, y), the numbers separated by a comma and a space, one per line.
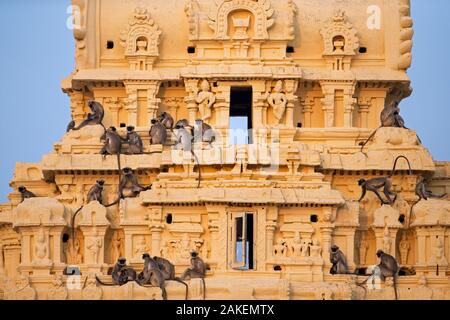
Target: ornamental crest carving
(141, 36)
(339, 36)
(261, 11)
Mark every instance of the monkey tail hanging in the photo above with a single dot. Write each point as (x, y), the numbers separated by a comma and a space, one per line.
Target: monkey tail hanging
(395, 165)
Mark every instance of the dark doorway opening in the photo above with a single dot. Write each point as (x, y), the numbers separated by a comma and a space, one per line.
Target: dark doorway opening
(241, 121)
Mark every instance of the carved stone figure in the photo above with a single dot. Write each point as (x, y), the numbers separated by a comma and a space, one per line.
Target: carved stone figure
(94, 245)
(91, 291)
(23, 289)
(278, 101)
(387, 241)
(140, 247)
(116, 246)
(304, 249)
(73, 252)
(404, 247)
(279, 249)
(315, 249)
(205, 100)
(296, 245)
(57, 290)
(42, 249)
(363, 247)
(66, 196)
(439, 255)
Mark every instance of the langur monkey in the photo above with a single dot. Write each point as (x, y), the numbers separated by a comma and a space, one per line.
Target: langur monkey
(95, 117)
(388, 268)
(168, 271)
(134, 140)
(196, 270)
(25, 193)
(152, 275)
(121, 274)
(158, 133)
(385, 182)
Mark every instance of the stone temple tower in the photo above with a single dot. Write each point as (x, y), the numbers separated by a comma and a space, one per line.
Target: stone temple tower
(292, 91)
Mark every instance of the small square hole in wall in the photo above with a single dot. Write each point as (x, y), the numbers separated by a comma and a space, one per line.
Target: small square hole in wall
(123, 125)
(313, 218)
(290, 49)
(191, 49)
(169, 218)
(363, 50)
(110, 45)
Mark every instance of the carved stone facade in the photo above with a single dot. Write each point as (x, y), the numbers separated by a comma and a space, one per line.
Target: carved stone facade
(266, 212)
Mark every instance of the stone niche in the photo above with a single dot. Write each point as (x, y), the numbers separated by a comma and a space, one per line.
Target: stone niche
(41, 223)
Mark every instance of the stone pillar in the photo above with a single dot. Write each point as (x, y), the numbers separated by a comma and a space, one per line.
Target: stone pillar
(349, 233)
(213, 227)
(326, 230)
(222, 106)
(307, 109)
(152, 101)
(421, 250)
(270, 230)
(25, 253)
(12, 255)
(364, 107)
(191, 86)
(128, 245)
(77, 106)
(349, 105)
(156, 231)
(112, 104)
(131, 105)
(328, 109)
(291, 87)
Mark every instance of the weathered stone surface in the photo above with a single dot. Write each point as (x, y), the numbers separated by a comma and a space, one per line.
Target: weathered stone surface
(321, 84)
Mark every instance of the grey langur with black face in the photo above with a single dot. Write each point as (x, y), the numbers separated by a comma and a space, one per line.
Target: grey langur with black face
(388, 267)
(95, 193)
(168, 271)
(134, 140)
(158, 133)
(25, 193)
(166, 120)
(152, 275)
(95, 117)
(196, 270)
(384, 182)
(121, 274)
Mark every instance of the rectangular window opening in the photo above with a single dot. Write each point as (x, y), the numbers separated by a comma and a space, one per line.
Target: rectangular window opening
(242, 241)
(241, 115)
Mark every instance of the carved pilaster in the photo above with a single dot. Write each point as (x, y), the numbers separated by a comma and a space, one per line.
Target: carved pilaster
(152, 100)
(291, 89)
(113, 105)
(131, 104)
(349, 105)
(77, 105)
(307, 109)
(364, 104)
(191, 86)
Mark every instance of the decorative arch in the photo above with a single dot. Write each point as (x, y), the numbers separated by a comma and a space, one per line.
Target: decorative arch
(141, 26)
(261, 9)
(339, 27)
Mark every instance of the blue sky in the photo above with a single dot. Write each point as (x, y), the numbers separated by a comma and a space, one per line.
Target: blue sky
(37, 53)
